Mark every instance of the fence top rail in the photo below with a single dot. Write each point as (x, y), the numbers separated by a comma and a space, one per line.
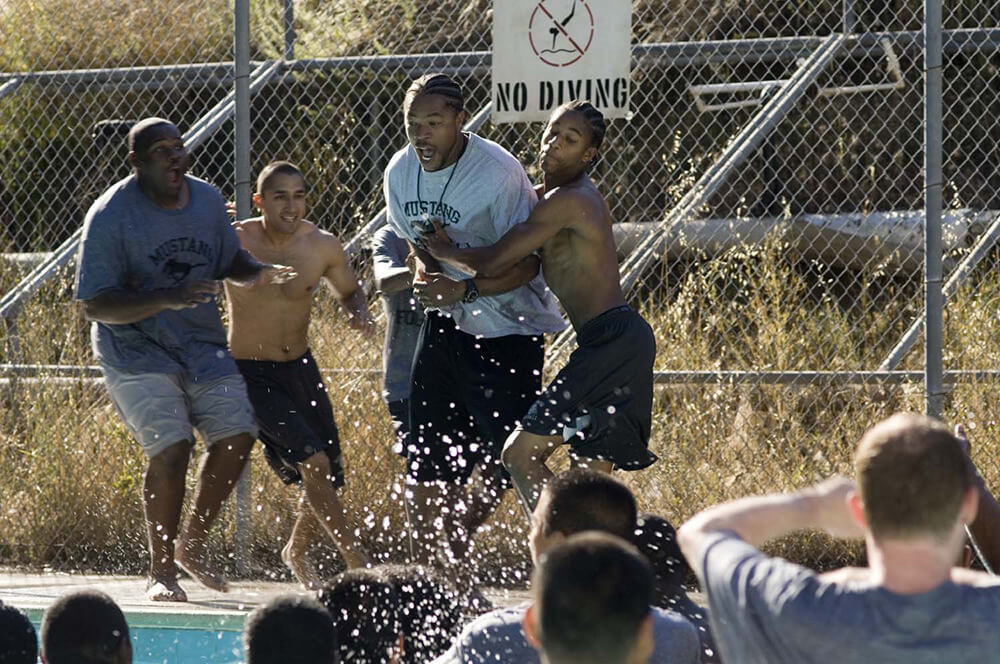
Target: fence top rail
(815, 378)
(800, 378)
(664, 53)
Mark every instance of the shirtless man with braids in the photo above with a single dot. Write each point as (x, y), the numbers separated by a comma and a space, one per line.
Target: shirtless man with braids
(600, 403)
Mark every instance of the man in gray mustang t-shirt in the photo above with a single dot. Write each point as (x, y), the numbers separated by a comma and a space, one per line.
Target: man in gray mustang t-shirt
(154, 248)
(478, 363)
(915, 493)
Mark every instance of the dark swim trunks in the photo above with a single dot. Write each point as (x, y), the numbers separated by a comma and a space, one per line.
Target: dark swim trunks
(294, 414)
(601, 402)
(467, 393)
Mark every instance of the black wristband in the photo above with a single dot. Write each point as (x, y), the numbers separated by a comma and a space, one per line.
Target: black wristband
(471, 292)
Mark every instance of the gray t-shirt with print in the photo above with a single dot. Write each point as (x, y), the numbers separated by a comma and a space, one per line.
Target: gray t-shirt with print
(770, 611)
(498, 637)
(131, 243)
(478, 199)
(403, 317)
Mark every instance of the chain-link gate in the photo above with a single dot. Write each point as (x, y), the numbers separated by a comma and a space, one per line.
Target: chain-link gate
(768, 193)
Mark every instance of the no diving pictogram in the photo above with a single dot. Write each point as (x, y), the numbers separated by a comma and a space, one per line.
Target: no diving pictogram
(561, 31)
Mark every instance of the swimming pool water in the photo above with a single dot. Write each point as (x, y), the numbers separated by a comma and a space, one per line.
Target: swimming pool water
(164, 645)
(163, 638)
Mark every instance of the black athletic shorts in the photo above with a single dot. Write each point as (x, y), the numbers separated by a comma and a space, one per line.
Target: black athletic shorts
(601, 402)
(466, 397)
(294, 414)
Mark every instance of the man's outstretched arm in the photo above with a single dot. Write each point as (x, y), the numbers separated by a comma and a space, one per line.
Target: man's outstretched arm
(121, 306)
(547, 219)
(438, 290)
(246, 271)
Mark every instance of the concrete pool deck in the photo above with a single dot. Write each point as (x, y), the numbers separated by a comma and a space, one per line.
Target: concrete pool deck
(34, 592)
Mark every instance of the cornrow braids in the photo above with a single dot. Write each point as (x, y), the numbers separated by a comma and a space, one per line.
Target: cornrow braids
(435, 84)
(598, 126)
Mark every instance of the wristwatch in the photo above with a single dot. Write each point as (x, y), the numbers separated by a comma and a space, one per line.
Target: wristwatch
(471, 292)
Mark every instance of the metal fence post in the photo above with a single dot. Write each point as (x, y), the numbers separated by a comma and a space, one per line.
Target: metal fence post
(288, 22)
(241, 64)
(932, 203)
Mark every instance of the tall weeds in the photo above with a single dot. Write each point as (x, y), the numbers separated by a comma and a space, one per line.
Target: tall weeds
(70, 474)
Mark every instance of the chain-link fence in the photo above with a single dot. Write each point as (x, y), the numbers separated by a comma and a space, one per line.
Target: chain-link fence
(768, 192)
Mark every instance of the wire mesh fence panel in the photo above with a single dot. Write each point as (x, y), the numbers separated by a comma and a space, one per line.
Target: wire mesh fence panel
(767, 193)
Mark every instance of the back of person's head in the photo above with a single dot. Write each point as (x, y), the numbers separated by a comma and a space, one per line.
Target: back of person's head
(290, 629)
(912, 475)
(18, 641)
(656, 539)
(274, 169)
(363, 606)
(591, 602)
(583, 499)
(436, 84)
(428, 610)
(85, 627)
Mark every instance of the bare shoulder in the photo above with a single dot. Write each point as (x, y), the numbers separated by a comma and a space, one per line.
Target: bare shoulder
(970, 577)
(565, 198)
(249, 231)
(320, 241)
(575, 205)
(251, 226)
(313, 233)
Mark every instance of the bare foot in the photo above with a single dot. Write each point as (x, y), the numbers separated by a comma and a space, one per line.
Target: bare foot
(303, 570)
(164, 588)
(195, 565)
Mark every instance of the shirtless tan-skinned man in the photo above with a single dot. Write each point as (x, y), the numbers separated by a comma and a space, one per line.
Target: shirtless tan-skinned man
(268, 336)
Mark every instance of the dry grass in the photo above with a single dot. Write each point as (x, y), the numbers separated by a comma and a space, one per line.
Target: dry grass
(70, 473)
(60, 34)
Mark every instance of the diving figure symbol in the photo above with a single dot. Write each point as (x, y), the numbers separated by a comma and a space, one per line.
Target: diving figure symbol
(555, 30)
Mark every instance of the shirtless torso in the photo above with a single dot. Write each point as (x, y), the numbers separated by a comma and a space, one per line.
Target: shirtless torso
(579, 261)
(272, 322)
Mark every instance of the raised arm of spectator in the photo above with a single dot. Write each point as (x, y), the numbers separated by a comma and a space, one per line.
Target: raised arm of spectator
(985, 528)
(824, 506)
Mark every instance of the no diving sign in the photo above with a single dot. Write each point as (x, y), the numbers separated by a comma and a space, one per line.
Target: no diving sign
(548, 52)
